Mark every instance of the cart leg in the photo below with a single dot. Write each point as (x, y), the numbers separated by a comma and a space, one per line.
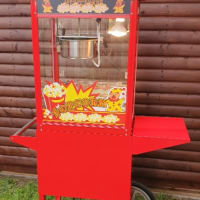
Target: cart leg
(41, 197)
(58, 198)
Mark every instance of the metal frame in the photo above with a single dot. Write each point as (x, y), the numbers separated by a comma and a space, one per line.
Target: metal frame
(25, 127)
(36, 62)
(131, 79)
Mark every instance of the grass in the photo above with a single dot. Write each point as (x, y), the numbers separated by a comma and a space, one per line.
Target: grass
(13, 189)
(17, 189)
(20, 189)
(163, 197)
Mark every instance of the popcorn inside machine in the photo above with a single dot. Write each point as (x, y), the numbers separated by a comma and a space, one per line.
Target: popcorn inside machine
(84, 67)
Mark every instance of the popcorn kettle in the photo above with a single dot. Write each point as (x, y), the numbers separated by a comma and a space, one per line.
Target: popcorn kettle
(81, 47)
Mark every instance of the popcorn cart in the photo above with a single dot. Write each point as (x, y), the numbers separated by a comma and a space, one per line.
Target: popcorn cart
(85, 57)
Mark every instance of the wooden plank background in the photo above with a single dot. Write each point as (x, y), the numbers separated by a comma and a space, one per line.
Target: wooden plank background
(168, 84)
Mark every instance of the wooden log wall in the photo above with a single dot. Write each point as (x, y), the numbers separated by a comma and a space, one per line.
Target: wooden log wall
(168, 84)
(17, 103)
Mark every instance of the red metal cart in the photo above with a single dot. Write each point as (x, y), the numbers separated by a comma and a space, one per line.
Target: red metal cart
(85, 57)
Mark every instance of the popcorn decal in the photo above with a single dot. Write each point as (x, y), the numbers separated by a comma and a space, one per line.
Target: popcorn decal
(80, 117)
(115, 99)
(87, 8)
(47, 114)
(100, 8)
(75, 8)
(94, 118)
(110, 119)
(47, 8)
(119, 6)
(68, 103)
(66, 116)
(54, 95)
(90, 118)
(84, 6)
(63, 8)
(54, 90)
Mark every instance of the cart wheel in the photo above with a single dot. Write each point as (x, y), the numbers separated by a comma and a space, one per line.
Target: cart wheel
(140, 192)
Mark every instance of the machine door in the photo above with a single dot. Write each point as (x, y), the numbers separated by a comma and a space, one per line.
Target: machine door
(84, 67)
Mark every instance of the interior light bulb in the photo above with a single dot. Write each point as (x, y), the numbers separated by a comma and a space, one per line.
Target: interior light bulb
(120, 20)
(118, 30)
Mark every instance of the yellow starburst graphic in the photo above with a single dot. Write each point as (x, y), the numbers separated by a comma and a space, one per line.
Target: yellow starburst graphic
(74, 94)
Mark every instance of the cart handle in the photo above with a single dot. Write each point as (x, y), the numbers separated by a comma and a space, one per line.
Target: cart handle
(25, 127)
(30, 142)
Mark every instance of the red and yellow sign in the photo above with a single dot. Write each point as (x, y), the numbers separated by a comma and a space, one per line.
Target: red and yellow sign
(82, 7)
(68, 104)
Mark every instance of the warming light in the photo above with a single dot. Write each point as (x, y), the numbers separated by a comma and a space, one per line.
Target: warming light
(118, 29)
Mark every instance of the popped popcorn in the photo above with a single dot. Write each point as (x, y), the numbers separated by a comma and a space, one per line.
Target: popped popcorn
(110, 119)
(66, 116)
(63, 8)
(80, 117)
(100, 8)
(54, 90)
(87, 8)
(75, 8)
(94, 118)
(104, 7)
(47, 114)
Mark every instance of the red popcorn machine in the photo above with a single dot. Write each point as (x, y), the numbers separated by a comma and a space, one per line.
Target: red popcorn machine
(85, 57)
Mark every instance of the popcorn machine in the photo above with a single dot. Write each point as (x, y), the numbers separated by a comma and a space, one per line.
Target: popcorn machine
(85, 56)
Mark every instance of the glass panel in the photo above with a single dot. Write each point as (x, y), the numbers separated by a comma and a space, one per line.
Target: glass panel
(84, 76)
(46, 57)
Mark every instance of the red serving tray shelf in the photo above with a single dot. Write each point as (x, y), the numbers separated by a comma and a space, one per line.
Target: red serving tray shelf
(153, 133)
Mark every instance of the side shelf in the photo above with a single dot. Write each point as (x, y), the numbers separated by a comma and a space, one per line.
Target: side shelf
(153, 133)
